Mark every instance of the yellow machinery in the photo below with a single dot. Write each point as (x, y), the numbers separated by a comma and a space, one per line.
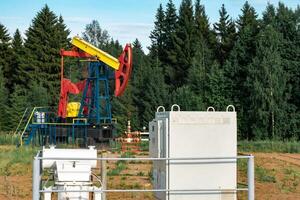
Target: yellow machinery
(94, 51)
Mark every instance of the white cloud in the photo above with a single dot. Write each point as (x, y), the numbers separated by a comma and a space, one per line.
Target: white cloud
(80, 20)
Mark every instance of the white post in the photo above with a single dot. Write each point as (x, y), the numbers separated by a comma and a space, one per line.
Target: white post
(103, 175)
(36, 179)
(251, 185)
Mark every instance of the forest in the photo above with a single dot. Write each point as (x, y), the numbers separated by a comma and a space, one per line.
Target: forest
(250, 62)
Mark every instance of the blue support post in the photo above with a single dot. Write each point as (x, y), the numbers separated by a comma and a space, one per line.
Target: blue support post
(98, 102)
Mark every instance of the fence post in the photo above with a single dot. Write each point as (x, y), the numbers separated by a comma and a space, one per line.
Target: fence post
(251, 185)
(36, 179)
(103, 176)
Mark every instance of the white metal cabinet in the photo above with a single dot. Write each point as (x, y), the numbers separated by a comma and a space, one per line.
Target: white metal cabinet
(195, 134)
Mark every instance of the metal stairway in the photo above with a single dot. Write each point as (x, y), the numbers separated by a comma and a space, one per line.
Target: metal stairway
(25, 128)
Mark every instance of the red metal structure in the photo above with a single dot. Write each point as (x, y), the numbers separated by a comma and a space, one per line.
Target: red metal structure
(121, 75)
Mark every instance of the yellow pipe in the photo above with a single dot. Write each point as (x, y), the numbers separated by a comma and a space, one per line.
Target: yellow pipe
(94, 51)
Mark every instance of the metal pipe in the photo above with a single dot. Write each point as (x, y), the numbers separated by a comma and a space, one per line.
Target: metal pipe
(103, 176)
(145, 159)
(36, 179)
(251, 184)
(151, 190)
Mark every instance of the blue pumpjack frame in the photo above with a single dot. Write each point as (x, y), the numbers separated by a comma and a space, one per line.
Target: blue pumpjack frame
(98, 99)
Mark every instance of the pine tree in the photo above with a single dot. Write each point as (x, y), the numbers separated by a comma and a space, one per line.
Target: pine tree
(248, 18)
(5, 55)
(37, 95)
(237, 66)
(62, 33)
(169, 28)
(149, 89)
(198, 76)
(41, 63)
(153, 93)
(184, 44)
(269, 15)
(3, 102)
(157, 36)
(287, 23)
(267, 81)
(18, 103)
(216, 88)
(170, 23)
(187, 99)
(18, 52)
(226, 35)
(203, 26)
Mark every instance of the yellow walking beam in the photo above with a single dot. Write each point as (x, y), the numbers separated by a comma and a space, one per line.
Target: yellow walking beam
(94, 51)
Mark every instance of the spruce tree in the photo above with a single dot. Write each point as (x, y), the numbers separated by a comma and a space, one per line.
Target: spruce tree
(3, 102)
(267, 81)
(237, 66)
(287, 23)
(169, 28)
(170, 23)
(187, 99)
(41, 63)
(18, 103)
(62, 33)
(269, 16)
(157, 36)
(203, 27)
(184, 44)
(5, 55)
(18, 52)
(148, 85)
(216, 88)
(198, 75)
(37, 95)
(226, 35)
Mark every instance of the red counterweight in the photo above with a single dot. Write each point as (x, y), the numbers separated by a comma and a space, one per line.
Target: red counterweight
(123, 73)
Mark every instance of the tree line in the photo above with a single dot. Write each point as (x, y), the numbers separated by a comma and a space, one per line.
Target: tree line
(250, 62)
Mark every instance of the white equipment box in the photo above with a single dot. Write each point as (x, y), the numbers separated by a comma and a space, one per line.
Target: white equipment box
(190, 134)
(71, 174)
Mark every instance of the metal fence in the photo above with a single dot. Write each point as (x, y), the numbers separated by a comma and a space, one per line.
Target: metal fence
(37, 190)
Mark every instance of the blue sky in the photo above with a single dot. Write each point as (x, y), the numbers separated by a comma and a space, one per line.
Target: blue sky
(125, 20)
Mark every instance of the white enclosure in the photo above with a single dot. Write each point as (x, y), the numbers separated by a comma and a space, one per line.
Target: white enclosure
(71, 174)
(182, 134)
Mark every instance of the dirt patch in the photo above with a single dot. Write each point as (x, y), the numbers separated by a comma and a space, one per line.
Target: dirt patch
(15, 187)
(277, 177)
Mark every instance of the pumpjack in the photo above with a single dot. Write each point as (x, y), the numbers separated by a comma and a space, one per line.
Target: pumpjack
(89, 120)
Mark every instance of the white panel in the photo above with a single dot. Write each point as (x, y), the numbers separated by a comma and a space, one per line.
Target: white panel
(68, 153)
(197, 134)
(202, 134)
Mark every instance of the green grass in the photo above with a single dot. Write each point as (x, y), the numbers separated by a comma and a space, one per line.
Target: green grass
(115, 146)
(265, 175)
(144, 146)
(268, 146)
(16, 161)
(9, 139)
(242, 165)
(140, 174)
(120, 166)
(291, 180)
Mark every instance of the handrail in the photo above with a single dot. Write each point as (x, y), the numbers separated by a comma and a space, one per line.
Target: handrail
(33, 110)
(200, 160)
(20, 121)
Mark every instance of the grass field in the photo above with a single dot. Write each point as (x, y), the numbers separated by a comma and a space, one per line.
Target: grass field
(277, 171)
